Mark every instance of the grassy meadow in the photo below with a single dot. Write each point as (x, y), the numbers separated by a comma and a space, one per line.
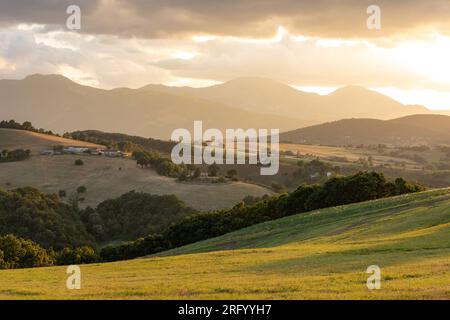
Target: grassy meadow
(318, 255)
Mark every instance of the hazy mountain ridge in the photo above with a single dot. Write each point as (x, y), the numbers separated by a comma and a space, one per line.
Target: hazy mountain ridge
(59, 104)
(272, 97)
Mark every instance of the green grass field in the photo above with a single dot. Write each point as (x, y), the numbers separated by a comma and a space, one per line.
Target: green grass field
(318, 255)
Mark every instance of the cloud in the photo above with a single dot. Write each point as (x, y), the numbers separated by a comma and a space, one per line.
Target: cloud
(308, 62)
(243, 18)
(111, 61)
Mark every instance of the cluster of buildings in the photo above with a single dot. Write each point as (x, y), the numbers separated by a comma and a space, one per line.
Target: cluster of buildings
(84, 150)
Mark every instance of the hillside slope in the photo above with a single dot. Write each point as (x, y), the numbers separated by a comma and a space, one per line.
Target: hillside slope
(105, 177)
(20, 139)
(318, 255)
(409, 130)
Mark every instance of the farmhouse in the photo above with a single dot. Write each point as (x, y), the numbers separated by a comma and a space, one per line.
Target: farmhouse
(112, 153)
(76, 150)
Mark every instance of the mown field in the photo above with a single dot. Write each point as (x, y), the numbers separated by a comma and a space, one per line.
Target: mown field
(318, 255)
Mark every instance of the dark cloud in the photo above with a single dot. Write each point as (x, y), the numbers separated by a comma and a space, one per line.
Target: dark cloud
(249, 18)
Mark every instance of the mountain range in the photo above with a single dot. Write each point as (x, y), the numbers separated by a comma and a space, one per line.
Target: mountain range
(59, 104)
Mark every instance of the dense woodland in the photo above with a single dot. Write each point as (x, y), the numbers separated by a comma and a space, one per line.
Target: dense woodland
(133, 215)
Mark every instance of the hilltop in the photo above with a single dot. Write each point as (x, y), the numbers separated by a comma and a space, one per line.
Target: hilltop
(409, 130)
(14, 139)
(322, 254)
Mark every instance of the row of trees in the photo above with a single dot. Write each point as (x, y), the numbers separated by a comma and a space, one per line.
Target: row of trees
(123, 142)
(26, 125)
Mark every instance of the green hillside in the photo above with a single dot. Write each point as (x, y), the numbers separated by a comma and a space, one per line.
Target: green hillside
(322, 254)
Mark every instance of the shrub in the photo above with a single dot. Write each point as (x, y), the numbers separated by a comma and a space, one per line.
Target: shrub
(81, 189)
(79, 162)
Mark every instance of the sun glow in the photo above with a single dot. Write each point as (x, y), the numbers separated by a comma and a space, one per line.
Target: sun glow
(428, 58)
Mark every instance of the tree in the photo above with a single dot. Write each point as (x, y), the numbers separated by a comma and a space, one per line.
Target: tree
(184, 176)
(81, 189)
(213, 170)
(231, 173)
(197, 173)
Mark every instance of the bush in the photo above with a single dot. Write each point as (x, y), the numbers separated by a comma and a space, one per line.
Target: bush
(79, 162)
(15, 155)
(81, 189)
(62, 193)
(213, 170)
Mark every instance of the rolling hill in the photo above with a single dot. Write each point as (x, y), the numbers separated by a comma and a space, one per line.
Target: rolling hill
(409, 130)
(102, 177)
(322, 254)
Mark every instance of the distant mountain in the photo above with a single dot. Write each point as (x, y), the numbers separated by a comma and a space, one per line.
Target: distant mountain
(59, 104)
(272, 97)
(410, 130)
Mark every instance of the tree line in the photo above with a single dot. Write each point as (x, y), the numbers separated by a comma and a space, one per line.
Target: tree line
(26, 125)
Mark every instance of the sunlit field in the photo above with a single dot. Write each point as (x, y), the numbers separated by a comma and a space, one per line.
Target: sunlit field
(318, 255)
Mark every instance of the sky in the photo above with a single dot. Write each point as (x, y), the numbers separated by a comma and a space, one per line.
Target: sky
(315, 46)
